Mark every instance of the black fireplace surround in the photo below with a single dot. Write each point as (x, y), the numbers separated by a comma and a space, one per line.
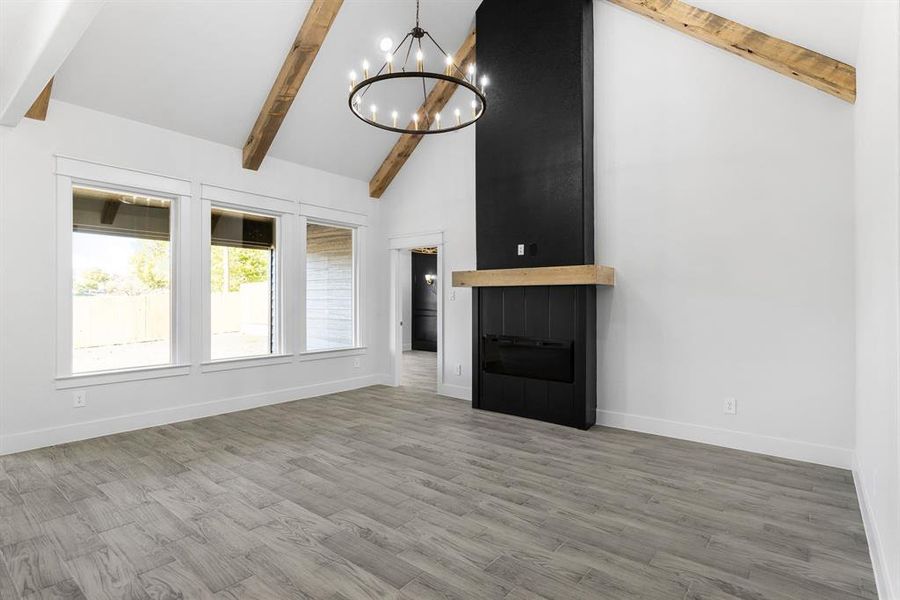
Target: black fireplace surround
(534, 347)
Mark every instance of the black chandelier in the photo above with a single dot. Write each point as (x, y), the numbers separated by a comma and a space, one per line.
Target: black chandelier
(422, 122)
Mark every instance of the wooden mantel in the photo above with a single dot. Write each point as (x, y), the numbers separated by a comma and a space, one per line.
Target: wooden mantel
(567, 275)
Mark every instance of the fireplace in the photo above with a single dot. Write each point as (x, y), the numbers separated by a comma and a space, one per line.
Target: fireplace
(534, 293)
(535, 355)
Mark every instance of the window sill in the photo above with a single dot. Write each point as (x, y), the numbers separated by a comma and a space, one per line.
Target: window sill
(228, 364)
(332, 353)
(67, 382)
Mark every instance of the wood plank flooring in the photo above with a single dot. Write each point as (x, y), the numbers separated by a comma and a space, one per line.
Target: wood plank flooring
(398, 493)
(419, 370)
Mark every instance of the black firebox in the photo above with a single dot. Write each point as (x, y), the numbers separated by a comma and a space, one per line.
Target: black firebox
(535, 358)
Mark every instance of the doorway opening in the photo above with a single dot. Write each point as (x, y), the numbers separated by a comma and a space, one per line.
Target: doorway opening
(417, 336)
(419, 320)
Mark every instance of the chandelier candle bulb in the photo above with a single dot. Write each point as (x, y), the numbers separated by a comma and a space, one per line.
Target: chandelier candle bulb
(416, 121)
(394, 117)
(374, 110)
(365, 69)
(437, 120)
(457, 112)
(474, 108)
(472, 71)
(352, 79)
(484, 82)
(420, 60)
(389, 60)
(449, 65)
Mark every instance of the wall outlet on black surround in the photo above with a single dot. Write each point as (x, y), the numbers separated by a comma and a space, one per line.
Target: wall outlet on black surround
(520, 250)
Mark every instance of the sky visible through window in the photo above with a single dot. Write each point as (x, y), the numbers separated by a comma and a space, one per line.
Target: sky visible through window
(114, 253)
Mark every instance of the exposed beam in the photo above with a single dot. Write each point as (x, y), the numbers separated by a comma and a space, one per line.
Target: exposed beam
(303, 52)
(38, 110)
(41, 35)
(812, 68)
(435, 102)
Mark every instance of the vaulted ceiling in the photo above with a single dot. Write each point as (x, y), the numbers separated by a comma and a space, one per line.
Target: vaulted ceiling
(204, 68)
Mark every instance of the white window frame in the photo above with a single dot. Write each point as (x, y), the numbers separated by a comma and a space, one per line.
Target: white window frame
(357, 224)
(285, 214)
(71, 172)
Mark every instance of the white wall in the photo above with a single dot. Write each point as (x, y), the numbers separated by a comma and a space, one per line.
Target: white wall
(724, 201)
(32, 411)
(405, 274)
(877, 295)
(435, 191)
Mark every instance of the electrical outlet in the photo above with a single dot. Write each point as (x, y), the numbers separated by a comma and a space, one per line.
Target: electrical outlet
(79, 399)
(458, 369)
(730, 407)
(355, 363)
(520, 249)
(452, 295)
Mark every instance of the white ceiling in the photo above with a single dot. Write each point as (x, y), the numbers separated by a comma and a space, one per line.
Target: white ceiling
(204, 67)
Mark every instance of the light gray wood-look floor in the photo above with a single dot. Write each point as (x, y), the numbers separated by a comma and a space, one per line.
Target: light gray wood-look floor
(419, 370)
(398, 493)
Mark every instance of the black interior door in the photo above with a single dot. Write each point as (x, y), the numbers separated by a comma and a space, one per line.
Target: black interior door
(424, 302)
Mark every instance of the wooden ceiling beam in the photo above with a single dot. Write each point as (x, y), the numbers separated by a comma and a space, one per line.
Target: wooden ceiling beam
(435, 102)
(296, 65)
(38, 110)
(814, 69)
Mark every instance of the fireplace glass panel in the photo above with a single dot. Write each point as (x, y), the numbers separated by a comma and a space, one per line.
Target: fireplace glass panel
(549, 360)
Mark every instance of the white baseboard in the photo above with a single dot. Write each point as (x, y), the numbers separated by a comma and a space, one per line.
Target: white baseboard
(876, 554)
(460, 392)
(383, 379)
(407, 346)
(831, 456)
(39, 438)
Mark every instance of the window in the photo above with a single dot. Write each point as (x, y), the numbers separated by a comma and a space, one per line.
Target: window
(330, 283)
(242, 284)
(121, 280)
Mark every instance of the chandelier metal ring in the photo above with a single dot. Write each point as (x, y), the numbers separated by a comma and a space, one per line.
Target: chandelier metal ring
(365, 83)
